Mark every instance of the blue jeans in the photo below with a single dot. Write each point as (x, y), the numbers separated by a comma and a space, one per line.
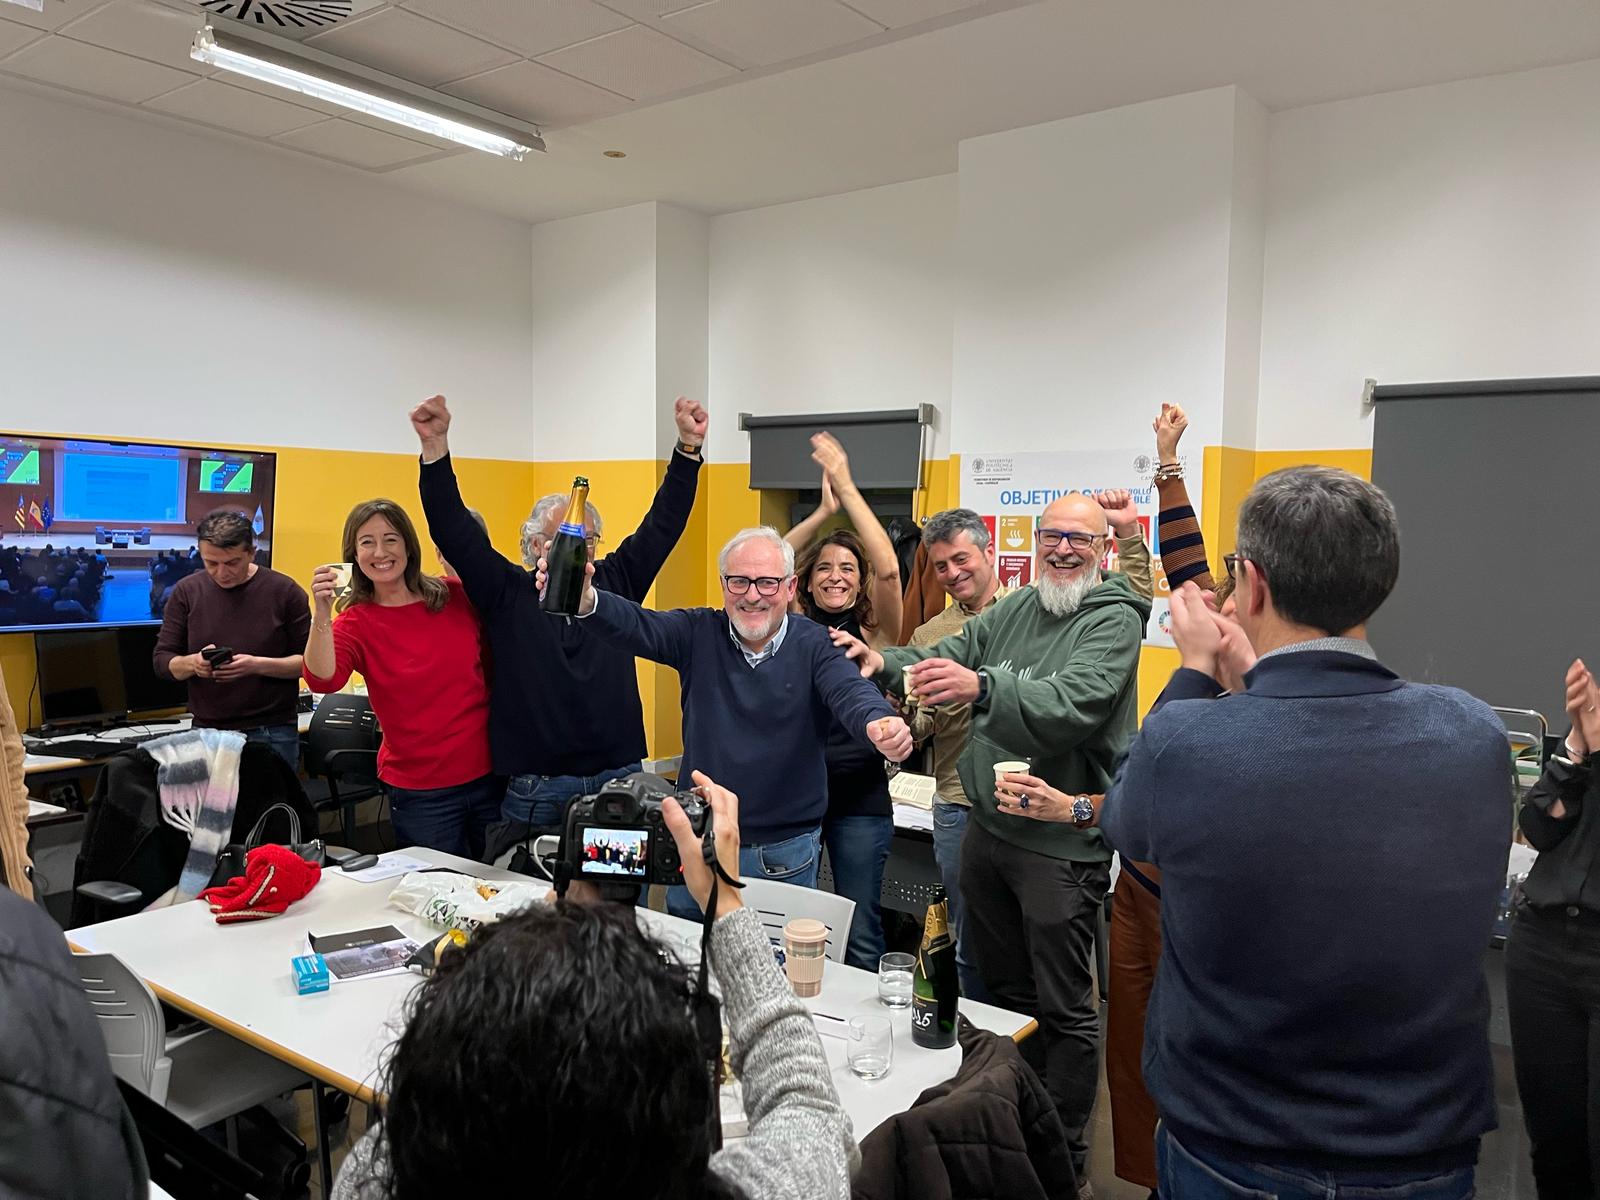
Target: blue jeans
(949, 828)
(541, 800)
(794, 860)
(858, 846)
(451, 819)
(1186, 1175)
(284, 739)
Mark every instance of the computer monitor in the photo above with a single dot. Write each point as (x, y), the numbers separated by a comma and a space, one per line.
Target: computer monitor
(99, 533)
(101, 674)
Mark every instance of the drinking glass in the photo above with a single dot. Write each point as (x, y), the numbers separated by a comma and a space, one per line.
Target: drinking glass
(894, 979)
(870, 1050)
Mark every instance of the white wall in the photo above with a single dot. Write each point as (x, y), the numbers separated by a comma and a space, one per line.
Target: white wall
(594, 335)
(839, 303)
(1241, 372)
(157, 283)
(1094, 261)
(682, 294)
(1448, 232)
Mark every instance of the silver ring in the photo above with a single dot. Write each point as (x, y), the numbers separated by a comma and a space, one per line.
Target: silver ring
(1024, 802)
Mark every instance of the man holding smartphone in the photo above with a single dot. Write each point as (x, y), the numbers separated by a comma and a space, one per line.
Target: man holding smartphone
(237, 632)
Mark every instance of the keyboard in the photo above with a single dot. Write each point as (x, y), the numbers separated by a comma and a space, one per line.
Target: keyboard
(85, 747)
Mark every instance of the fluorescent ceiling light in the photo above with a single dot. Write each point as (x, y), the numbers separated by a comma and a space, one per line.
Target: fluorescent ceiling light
(36, 5)
(206, 49)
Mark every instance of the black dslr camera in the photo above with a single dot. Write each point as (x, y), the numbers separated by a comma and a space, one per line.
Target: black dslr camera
(619, 834)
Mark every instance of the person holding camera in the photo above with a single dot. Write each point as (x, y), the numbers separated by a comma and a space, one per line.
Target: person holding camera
(237, 632)
(484, 1083)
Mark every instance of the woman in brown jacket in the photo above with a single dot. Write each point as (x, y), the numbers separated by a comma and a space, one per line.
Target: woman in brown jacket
(14, 863)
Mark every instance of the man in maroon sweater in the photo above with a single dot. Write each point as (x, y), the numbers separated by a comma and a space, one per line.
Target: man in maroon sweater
(261, 615)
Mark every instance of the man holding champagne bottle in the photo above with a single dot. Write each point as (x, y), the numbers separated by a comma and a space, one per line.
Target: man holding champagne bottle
(564, 711)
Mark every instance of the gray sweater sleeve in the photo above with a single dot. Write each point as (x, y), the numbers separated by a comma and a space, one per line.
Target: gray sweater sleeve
(800, 1145)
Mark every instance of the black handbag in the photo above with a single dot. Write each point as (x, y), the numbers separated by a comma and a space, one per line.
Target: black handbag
(231, 862)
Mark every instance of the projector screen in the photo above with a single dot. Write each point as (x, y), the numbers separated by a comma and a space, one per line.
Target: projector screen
(120, 487)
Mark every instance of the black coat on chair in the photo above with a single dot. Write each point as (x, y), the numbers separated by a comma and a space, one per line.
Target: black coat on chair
(126, 841)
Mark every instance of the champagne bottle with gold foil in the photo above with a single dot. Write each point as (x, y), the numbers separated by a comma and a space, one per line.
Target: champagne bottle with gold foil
(567, 556)
(935, 990)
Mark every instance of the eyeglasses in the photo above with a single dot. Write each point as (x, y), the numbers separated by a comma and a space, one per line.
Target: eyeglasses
(592, 541)
(1232, 561)
(1049, 539)
(766, 585)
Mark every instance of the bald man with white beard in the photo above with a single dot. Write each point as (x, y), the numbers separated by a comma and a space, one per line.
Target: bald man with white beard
(1051, 673)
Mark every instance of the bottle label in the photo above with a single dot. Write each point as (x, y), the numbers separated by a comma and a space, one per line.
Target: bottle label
(575, 530)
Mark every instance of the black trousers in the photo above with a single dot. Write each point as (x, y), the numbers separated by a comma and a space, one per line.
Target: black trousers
(1553, 995)
(1031, 922)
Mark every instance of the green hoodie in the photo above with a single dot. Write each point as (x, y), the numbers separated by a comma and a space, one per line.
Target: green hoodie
(1063, 694)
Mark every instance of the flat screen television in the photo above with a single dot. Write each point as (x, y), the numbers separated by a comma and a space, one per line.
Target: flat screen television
(100, 674)
(98, 533)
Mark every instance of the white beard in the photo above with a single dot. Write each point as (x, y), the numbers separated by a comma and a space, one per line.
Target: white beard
(1063, 599)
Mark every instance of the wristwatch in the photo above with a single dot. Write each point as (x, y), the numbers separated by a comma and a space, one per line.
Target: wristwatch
(691, 451)
(1082, 812)
(983, 685)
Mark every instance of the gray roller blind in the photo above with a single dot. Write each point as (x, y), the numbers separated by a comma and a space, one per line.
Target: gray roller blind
(885, 447)
(1499, 578)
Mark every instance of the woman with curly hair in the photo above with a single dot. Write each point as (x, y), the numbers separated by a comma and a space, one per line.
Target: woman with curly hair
(557, 1055)
(851, 581)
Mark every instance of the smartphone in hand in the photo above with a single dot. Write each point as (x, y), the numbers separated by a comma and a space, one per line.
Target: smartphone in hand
(217, 655)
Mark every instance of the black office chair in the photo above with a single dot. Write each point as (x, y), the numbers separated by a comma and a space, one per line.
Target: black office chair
(342, 751)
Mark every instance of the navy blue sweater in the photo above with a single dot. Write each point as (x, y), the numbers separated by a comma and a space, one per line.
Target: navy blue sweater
(1332, 844)
(560, 702)
(758, 731)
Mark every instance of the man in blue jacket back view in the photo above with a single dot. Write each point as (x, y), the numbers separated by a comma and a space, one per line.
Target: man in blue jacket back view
(1332, 841)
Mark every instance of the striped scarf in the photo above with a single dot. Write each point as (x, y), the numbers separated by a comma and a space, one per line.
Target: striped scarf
(198, 777)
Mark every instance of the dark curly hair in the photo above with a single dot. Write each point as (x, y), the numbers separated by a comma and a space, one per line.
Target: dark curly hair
(558, 1048)
(807, 563)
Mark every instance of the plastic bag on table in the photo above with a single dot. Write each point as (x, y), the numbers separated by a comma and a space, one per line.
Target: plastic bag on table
(451, 901)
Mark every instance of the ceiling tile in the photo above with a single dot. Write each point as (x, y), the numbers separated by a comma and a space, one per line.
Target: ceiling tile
(14, 36)
(89, 69)
(354, 144)
(227, 107)
(411, 47)
(773, 31)
(533, 92)
(531, 27)
(143, 29)
(895, 13)
(638, 62)
(649, 10)
(56, 12)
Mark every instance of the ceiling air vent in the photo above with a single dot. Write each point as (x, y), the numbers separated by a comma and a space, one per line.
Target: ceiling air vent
(287, 18)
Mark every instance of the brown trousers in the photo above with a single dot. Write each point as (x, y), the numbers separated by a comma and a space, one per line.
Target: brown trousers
(1135, 950)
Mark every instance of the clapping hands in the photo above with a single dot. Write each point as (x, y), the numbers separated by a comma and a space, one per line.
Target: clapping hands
(1209, 642)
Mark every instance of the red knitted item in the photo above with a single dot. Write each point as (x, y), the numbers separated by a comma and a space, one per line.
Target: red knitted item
(274, 878)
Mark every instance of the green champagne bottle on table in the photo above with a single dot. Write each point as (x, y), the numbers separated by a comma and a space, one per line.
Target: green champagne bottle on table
(567, 556)
(935, 990)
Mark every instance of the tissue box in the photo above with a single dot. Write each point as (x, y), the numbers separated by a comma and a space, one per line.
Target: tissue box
(310, 974)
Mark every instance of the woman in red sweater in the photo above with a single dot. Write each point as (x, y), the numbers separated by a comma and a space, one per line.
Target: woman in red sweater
(417, 641)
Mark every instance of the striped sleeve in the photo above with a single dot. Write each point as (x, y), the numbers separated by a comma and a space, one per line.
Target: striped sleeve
(1183, 549)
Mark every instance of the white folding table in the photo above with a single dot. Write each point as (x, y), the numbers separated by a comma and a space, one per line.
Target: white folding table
(237, 978)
